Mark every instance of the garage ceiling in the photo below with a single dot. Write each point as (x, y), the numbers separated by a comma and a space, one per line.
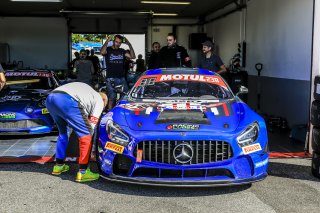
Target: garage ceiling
(197, 8)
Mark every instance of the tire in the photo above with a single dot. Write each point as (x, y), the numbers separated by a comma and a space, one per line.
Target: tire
(316, 92)
(316, 140)
(315, 165)
(315, 113)
(98, 147)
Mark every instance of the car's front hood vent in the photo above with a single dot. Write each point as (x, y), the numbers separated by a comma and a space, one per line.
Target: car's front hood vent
(182, 116)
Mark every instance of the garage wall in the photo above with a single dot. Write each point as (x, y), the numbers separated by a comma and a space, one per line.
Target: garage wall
(278, 35)
(38, 42)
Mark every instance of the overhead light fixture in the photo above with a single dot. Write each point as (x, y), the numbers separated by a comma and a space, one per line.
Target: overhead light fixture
(165, 14)
(166, 2)
(37, 0)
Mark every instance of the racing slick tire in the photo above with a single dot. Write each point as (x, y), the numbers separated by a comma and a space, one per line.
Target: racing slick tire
(315, 113)
(316, 140)
(315, 165)
(316, 93)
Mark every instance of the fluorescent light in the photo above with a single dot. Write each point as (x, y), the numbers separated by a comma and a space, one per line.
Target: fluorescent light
(37, 0)
(166, 2)
(165, 14)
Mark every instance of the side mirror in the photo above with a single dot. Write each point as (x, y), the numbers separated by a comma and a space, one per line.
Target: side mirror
(242, 90)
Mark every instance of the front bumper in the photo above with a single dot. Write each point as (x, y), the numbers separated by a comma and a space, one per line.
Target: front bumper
(182, 182)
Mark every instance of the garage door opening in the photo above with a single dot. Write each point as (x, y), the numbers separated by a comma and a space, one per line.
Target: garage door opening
(95, 42)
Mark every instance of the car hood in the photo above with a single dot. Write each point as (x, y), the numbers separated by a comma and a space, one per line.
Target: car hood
(14, 96)
(182, 115)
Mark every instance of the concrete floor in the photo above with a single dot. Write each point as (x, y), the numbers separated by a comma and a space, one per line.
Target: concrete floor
(30, 188)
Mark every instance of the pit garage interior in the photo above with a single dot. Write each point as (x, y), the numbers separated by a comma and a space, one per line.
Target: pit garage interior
(36, 35)
(282, 35)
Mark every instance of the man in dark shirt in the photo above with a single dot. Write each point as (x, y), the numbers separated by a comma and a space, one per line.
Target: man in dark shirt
(140, 65)
(154, 59)
(174, 55)
(209, 60)
(115, 60)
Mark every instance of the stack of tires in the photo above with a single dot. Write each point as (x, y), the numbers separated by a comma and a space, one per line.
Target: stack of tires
(315, 120)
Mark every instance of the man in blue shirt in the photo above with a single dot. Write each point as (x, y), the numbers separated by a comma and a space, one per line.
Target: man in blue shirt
(209, 60)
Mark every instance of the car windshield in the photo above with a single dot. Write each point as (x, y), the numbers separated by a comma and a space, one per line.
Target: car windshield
(181, 86)
(22, 82)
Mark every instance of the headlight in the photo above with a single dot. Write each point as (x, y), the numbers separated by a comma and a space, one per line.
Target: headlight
(116, 134)
(249, 135)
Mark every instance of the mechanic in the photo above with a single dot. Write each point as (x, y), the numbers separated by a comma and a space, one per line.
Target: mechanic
(154, 59)
(174, 55)
(84, 68)
(2, 78)
(115, 62)
(78, 106)
(209, 60)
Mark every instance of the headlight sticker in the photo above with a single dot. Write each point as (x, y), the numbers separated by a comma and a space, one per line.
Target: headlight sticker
(251, 149)
(44, 111)
(114, 147)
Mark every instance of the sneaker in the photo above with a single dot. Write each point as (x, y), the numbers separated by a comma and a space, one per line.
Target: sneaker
(57, 170)
(88, 176)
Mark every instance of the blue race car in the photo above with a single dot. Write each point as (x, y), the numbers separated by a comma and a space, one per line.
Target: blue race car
(22, 102)
(182, 127)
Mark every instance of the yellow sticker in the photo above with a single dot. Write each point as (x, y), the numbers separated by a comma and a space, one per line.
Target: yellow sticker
(45, 111)
(114, 147)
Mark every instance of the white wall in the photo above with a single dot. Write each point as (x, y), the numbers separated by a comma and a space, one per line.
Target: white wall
(226, 35)
(38, 42)
(279, 35)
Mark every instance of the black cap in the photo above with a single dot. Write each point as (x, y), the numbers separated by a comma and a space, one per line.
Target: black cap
(208, 44)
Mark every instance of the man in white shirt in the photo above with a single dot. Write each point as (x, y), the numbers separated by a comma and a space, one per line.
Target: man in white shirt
(78, 106)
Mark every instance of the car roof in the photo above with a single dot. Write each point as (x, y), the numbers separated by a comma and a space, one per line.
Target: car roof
(179, 70)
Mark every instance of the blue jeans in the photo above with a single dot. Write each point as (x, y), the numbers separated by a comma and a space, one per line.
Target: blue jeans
(111, 83)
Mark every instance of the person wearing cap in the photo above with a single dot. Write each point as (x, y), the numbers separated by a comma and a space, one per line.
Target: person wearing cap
(174, 55)
(2, 78)
(209, 60)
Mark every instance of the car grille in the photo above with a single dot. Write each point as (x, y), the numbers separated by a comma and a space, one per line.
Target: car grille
(204, 151)
(22, 124)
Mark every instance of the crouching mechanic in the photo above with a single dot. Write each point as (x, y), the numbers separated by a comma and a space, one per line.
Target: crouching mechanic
(78, 106)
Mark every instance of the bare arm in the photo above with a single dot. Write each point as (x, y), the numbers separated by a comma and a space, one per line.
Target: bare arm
(2, 80)
(103, 49)
(132, 54)
(222, 69)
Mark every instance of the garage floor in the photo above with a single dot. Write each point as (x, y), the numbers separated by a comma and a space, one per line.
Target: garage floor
(42, 148)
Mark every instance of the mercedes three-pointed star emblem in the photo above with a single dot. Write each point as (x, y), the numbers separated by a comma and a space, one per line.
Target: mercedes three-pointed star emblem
(183, 153)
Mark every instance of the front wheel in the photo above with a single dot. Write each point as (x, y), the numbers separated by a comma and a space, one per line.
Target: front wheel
(98, 150)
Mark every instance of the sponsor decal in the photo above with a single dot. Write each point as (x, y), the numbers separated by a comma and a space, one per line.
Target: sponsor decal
(252, 148)
(151, 79)
(9, 115)
(139, 156)
(10, 98)
(114, 147)
(183, 127)
(44, 111)
(262, 163)
(36, 74)
(93, 120)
